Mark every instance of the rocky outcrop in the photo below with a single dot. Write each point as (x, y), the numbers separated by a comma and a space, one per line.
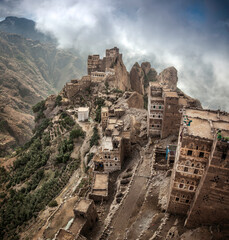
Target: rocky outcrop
(122, 79)
(168, 77)
(137, 79)
(135, 101)
(141, 76)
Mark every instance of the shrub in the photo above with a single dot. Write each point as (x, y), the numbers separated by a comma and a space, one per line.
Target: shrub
(76, 133)
(95, 137)
(58, 100)
(39, 107)
(145, 98)
(90, 156)
(53, 203)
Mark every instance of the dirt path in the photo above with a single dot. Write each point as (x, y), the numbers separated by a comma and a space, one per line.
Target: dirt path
(127, 213)
(88, 129)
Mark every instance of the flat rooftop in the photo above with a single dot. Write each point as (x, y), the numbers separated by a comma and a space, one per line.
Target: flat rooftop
(107, 143)
(205, 123)
(104, 109)
(155, 84)
(171, 94)
(101, 181)
(207, 114)
(64, 235)
(200, 128)
(83, 109)
(182, 101)
(100, 185)
(77, 225)
(83, 205)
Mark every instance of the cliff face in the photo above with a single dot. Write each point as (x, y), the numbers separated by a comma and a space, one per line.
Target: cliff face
(169, 78)
(141, 76)
(122, 75)
(137, 79)
(30, 71)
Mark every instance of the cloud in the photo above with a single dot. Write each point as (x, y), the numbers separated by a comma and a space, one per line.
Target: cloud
(189, 35)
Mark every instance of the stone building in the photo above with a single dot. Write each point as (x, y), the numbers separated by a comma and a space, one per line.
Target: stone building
(165, 110)
(85, 218)
(100, 187)
(73, 89)
(199, 185)
(107, 113)
(83, 113)
(115, 144)
(95, 64)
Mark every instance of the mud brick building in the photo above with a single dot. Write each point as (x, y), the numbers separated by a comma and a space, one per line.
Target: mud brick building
(164, 112)
(200, 179)
(85, 218)
(100, 186)
(115, 144)
(95, 64)
(72, 89)
(165, 107)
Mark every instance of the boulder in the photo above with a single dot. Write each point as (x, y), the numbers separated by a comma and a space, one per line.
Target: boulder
(168, 77)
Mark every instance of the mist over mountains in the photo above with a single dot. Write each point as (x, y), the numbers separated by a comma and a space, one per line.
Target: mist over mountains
(30, 71)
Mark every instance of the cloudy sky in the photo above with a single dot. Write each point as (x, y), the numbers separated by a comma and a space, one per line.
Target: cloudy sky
(192, 36)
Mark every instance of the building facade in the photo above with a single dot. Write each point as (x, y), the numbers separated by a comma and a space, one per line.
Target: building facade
(199, 182)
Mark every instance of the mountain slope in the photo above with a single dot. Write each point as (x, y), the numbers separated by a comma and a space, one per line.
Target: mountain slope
(24, 27)
(30, 71)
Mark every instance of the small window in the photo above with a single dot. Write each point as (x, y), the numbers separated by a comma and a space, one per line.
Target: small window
(159, 107)
(154, 106)
(201, 154)
(187, 201)
(197, 147)
(196, 171)
(115, 158)
(186, 169)
(110, 164)
(191, 188)
(189, 153)
(177, 199)
(181, 185)
(224, 155)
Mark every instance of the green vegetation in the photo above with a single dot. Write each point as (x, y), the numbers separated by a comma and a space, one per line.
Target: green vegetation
(39, 107)
(58, 100)
(99, 103)
(39, 110)
(95, 137)
(3, 125)
(53, 203)
(65, 149)
(76, 133)
(116, 90)
(89, 157)
(219, 136)
(66, 121)
(26, 189)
